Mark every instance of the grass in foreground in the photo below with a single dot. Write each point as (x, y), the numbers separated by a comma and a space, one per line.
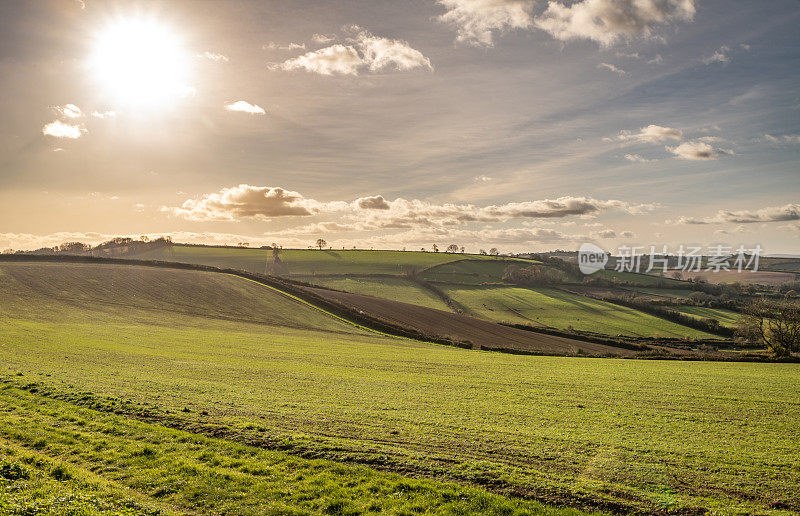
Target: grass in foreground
(559, 309)
(56, 458)
(632, 435)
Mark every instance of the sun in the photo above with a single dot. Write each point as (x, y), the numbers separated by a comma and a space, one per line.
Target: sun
(140, 62)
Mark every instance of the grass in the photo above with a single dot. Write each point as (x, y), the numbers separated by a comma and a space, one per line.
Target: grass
(57, 458)
(621, 434)
(473, 272)
(640, 279)
(304, 262)
(398, 289)
(559, 309)
(725, 317)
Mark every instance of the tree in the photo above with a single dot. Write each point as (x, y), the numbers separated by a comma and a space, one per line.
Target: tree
(435, 248)
(773, 323)
(321, 243)
(493, 251)
(452, 248)
(462, 249)
(483, 252)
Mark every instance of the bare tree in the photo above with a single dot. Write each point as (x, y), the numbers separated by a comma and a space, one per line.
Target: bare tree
(775, 324)
(435, 248)
(483, 251)
(452, 248)
(493, 251)
(321, 243)
(462, 249)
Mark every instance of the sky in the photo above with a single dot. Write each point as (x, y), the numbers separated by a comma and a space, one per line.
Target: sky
(524, 125)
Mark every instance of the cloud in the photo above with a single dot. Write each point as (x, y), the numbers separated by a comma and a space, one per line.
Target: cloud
(245, 107)
(246, 201)
(607, 21)
(372, 203)
(322, 38)
(59, 129)
(656, 60)
(476, 21)
(70, 111)
(381, 53)
(627, 234)
(213, 56)
(103, 114)
(652, 134)
(719, 56)
(697, 150)
(606, 233)
(483, 178)
(638, 159)
(335, 59)
(290, 46)
(613, 68)
(364, 51)
(785, 213)
(375, 212)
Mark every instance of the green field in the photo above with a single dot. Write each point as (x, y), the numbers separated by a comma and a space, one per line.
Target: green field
(645, 280)
(558, 309)
(304, 262)
(473, 272)
(725, 317)
(398, 289)
(626, 434)
(59, 458)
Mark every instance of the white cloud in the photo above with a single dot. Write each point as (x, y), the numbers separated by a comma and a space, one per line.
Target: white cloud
(245, 107)
(59, 129)
(483, 179)
(288, 46)
(323, 38)
(335, 59)
(792, 138)
(70, 111)
(697, 150)
(607, 21)
(719, 56)
(656, 60)
(652, 134)
(376, 202)
(375, 212)
(364, 51)
(787, 212)
(246, 201)
(103, 114)
(612, 68)
(476, 21)
(381, 53)
(638, 159)
(213, 56)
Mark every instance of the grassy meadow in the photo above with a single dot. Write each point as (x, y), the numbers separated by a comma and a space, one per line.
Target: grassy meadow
(559, 309)
(398, 289)
(303, 261)
(605, 433)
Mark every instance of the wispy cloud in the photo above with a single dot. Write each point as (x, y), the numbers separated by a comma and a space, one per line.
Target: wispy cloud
(652, 134)
(611, 67)
(214, 56)
(69, 111)
(284, 46)
(719, 56)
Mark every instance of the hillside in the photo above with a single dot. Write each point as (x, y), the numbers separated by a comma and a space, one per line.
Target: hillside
(302, 261)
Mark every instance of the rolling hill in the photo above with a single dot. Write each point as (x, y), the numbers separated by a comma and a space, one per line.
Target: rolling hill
(96, 360)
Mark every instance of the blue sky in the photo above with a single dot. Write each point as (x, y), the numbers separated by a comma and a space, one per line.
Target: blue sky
(522, 125)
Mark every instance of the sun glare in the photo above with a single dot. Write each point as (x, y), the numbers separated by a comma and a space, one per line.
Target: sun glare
(140, 62)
